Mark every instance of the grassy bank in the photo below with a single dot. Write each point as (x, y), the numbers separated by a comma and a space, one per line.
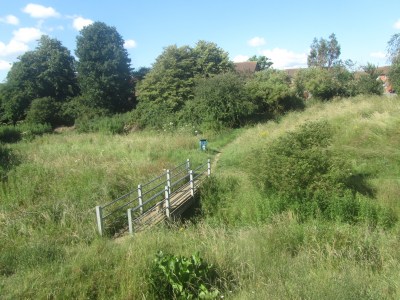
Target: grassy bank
(49, 248)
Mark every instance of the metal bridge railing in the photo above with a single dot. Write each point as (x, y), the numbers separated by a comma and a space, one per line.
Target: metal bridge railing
(151, 195)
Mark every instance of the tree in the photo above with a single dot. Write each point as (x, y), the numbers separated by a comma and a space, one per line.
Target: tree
(210, 59)
(219, 101)
(394, 56)
(263, 62)
(48, 71)
(270, 91)
(169, 84)
(324, 53)
(369, 83)
(104, 72)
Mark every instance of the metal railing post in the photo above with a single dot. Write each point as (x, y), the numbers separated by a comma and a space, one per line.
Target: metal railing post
(130, 221)
(99, 217)
(140, 197)
(188, 164)
(167, 212)
(169, 180)
(208, 167)
(191, 183)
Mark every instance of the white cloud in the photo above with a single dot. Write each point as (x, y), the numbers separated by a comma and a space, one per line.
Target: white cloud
(13, 47)
(27, 34)
(240, 58)
(256, 41)
(283, 58)
(10, 19)
(129, 44)
(79, 22)
(378, 54)
(396, 25)
(4, 65)
(40, 11)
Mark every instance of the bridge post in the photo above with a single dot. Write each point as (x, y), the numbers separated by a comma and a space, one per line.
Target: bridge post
(140, 197)
(188, 164)
(99, 217)
(208, 167)
(169, 180)
(130, 221)
(167, 202)
(191, 182)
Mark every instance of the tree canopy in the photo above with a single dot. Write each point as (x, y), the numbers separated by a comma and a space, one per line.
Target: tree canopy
(263, 62)
(47, 71)
(104, 71)
(324, 53)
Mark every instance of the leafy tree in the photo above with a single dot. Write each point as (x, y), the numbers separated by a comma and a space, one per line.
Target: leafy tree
(140, 73)
(104, 72)
(210, 59)
(219, 101)
(169, 85)
(48, 71)
(394, 56)
(270, 91)
(263, 62)
(325, 83)
(44, 110)
(324, 53)
(368, 83)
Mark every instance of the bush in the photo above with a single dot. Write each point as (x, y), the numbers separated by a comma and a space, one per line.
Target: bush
(9, 134)
(44, 111)
(270, 91)
(112, 125)
(30, 130)
(308, 178)
(179, 277)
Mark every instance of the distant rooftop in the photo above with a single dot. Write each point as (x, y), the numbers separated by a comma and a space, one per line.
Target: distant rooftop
(246, 66)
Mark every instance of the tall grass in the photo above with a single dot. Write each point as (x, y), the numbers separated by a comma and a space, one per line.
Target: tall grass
(48, 242)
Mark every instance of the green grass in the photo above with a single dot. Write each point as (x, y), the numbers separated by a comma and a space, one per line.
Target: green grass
(49, 248)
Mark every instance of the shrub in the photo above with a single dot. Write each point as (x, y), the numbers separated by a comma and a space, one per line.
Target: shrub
(179, 277)
(44, 111)
(9, 134)
(308, 178)
(30, 130)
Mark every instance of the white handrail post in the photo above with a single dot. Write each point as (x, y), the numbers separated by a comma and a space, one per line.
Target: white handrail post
(188, 164)
(208, 167)
(169, 180)
(99, 216)
(140, 197)
(130, 221)
(191, 182)
(167, 202)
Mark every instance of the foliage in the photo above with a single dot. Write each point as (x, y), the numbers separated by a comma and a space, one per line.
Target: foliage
(44, 110)
(324, 53)
(219, 101)
(325, 83)
(394, 74)
(104, 72)
(368, 83)
(117, 124)
(9, 134)
(169, 85)
(48, 71)
(270, 91)
(393, 47)
(263, 62)
(179, 277)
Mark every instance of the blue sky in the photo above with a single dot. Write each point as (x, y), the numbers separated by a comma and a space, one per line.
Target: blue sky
(280, 30)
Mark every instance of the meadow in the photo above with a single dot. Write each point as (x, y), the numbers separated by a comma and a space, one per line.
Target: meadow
(262, 245)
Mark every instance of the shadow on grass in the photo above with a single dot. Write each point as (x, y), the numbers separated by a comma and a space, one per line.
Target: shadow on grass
(359, 183)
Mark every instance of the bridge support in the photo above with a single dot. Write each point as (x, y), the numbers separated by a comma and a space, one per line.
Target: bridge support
(99, 217)
(167, 211)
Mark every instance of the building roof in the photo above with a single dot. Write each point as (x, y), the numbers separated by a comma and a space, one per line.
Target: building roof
(246, 66)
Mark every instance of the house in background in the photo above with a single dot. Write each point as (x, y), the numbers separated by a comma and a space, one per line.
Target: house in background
(383, 76)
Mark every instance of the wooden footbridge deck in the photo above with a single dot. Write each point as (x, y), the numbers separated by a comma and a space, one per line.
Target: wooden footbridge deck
(164, 197)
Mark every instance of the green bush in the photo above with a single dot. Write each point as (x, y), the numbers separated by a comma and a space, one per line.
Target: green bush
(179, 277)
(10, 134)
(30, 130)
(111, 125)
(304, 175)
(44, 111)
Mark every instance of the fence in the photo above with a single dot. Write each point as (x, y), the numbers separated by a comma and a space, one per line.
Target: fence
(151, 201)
